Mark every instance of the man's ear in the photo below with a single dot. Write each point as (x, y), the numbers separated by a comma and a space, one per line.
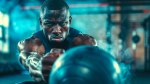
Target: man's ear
(70, 19)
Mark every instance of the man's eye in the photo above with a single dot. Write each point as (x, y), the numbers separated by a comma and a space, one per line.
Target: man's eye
(63, 23)
(48, 24)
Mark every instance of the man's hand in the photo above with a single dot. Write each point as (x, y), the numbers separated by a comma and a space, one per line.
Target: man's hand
(48, 60)
(32, 63)
(31, 51)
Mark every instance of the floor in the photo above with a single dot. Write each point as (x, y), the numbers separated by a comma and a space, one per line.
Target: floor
(16, 78)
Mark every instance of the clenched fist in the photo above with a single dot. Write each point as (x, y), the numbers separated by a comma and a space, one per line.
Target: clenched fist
(48, 60)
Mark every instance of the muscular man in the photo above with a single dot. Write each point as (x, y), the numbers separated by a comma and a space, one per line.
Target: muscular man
(38, 52)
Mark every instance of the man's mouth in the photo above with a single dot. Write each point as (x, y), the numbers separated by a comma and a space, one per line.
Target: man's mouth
(57, 39)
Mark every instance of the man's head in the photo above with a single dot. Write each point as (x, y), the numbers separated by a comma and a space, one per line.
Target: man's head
(55, 20)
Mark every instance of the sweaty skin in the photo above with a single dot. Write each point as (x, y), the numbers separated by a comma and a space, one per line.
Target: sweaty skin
(33, 56)
(55, 26)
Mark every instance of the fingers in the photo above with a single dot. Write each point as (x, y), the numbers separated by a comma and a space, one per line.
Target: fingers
(35, 73)
(52, 55)
(46, 71)
(49, 59)
(47, 62)
(46, 68)
(34, 68)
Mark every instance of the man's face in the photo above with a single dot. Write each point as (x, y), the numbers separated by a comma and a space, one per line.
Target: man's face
(55, 24)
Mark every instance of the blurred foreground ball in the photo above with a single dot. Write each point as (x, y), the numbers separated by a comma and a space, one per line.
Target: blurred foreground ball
(85, 65)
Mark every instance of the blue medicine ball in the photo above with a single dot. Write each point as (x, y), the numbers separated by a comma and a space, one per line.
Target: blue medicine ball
(85, 65)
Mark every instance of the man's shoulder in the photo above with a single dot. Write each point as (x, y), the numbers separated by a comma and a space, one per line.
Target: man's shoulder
(38, 33)
(74, 32)
(31, 44)
(84, 39)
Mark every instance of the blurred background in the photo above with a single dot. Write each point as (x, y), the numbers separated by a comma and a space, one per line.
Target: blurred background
(121, 27)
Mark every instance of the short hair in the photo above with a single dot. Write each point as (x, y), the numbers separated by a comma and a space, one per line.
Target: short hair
(54, 5)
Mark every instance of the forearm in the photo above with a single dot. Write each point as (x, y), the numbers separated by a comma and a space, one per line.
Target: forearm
(31, 60)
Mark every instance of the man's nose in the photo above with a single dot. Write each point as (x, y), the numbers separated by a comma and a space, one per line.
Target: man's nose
(57, 29)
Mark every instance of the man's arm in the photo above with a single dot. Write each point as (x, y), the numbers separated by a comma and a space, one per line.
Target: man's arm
(33, 57)
(31, 50)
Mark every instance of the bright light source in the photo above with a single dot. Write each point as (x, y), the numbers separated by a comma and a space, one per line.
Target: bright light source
(4, 19)
(5, 48)
(1, 18)
(4, 41)
(0, 32)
